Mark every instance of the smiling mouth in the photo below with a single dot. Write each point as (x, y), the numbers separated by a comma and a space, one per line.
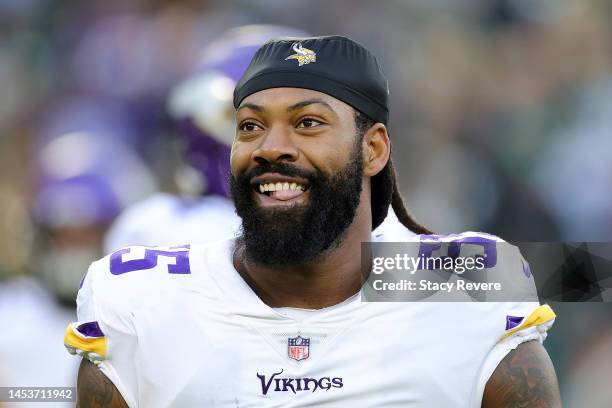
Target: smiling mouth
(279, 188)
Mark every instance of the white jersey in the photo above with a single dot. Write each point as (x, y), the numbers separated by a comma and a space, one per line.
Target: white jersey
(179, 327)
(166, 219)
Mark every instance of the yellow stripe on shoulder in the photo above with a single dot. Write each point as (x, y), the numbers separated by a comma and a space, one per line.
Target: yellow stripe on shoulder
(76, 343)
(539, 316)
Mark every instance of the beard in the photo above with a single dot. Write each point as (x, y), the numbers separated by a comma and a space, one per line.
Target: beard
(297, 234)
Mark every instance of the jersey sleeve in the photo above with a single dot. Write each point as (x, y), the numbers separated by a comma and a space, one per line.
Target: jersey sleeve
(513, 322)
(104, 333)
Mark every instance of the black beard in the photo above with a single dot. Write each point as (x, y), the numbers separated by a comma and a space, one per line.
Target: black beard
(298, 234)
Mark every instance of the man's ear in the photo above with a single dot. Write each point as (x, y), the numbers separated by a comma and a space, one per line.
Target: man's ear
(377, 149)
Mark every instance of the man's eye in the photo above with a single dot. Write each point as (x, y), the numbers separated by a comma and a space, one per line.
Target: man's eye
(249, 127)
(308, 123)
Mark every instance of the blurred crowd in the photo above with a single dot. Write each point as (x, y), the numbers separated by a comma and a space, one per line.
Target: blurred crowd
(501, 121)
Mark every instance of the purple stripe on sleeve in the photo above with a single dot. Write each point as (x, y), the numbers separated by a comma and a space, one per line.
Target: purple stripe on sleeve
(83, 279)
(513, 321)
(526, 269)
(90, 329)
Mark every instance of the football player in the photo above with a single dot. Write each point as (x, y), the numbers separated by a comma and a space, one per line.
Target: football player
(76, 199)
(275, 317)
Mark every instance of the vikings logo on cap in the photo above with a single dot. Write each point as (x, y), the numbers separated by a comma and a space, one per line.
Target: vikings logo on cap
(344, 69)
(302, 55)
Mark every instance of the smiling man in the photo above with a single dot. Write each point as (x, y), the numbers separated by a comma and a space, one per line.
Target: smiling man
(274, 318)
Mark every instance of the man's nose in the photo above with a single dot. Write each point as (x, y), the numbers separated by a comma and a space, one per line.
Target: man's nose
(277, 145)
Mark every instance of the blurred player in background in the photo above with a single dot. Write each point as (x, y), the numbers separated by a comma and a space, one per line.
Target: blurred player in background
(202, 108)
(77, 198)
(79, 188)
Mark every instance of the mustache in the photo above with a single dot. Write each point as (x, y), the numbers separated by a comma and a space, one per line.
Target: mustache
(285, 169)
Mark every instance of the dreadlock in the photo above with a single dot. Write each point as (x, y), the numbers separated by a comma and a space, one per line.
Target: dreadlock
(385, 190)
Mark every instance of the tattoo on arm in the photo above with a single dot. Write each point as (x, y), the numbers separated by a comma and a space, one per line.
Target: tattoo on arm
(525, 378)
(95, 390)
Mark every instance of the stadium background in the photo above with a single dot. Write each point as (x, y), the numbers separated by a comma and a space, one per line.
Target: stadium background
(501, 118)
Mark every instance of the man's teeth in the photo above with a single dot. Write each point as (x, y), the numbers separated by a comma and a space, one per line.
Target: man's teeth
(280, 186)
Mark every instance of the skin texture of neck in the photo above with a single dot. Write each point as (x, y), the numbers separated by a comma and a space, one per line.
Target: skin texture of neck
(325, 282)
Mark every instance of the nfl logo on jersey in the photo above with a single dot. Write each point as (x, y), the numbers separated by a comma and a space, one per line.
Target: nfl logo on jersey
(299, 348)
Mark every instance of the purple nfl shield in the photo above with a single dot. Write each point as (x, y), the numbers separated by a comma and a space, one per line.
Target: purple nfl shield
(298, 348)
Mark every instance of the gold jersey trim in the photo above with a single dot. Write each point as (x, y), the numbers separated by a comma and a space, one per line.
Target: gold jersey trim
(539, 316)
(75, 342)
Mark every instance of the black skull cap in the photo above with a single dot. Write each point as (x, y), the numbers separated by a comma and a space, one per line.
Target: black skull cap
(334, 65)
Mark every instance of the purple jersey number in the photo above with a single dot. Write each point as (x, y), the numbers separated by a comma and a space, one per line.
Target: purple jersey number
(181, 261)
(489, 247)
